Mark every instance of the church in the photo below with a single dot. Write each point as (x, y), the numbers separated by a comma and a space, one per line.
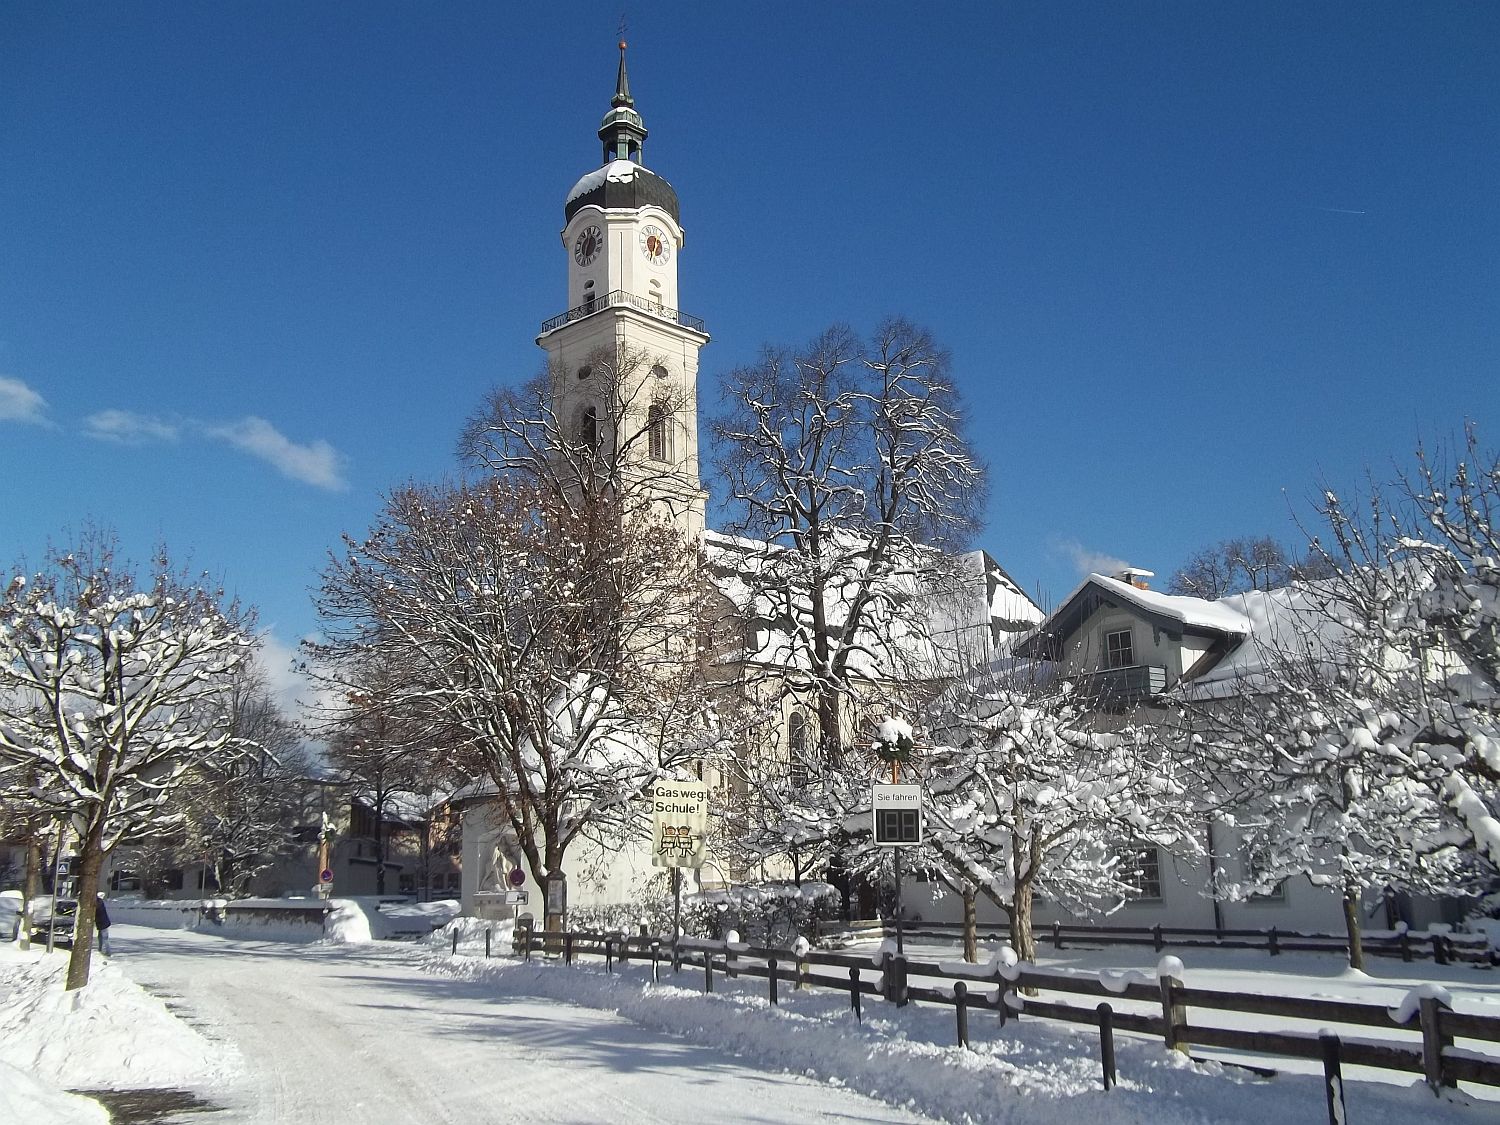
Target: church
(622, 238)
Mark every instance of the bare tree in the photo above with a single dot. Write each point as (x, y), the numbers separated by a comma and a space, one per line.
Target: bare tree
(1235, 566)
(239, 811)
(846, 465)
(546, 613)
(112, 688)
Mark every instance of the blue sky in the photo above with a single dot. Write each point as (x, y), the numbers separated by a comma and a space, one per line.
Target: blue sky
(258, 262)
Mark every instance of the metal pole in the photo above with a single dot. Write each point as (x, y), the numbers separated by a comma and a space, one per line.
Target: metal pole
(676, 904)
(900, 940)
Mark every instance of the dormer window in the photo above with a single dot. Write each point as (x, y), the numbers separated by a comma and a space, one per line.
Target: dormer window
(1119, 649)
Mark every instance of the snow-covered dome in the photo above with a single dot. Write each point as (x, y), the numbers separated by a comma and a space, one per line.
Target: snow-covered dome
(622, 183)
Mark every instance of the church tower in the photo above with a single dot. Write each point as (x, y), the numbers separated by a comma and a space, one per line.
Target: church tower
(624, 358)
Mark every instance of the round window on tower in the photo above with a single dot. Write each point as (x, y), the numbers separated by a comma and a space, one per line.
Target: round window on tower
(585, 371)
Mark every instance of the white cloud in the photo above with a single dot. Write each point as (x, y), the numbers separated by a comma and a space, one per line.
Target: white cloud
(316, 463)
(1087, 561)
(19, 403)
(129, 428)
(290, 688)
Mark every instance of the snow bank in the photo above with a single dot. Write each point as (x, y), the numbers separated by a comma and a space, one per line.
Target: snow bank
(1032, 1071)
(25, 1099)
(110, 1033)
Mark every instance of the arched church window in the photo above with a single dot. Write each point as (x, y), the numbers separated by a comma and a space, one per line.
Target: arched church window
(655, 293)
(796, 745)
(656, 432)
(588, 297)
(588, 427)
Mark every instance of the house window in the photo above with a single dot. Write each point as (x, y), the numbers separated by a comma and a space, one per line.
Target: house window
(656, 431)
(1119, 652)
(796, 745)
(1140, 868)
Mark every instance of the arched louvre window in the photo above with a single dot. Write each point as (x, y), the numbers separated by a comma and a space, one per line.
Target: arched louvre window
(588, 427)
(796, 743)
(656, 432)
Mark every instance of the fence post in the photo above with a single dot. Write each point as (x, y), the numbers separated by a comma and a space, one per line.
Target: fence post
(455, 941)
(771, 978)
(609, 954)
(1173, 1015)
(961, 1011)
(854, 993)
(1156, 936)
(708, 970)
(1333, 1078)
(1057, 935)
(1107, 1043)
(488, 934)
(1405, 947)
(568, 948)
(1433, 1042)
(656, 962)
(1439, 952)
(1275, 943)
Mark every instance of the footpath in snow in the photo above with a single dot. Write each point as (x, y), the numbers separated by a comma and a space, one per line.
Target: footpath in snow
(272, 1031)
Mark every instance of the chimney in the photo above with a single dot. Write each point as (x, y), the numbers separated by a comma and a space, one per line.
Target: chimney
(1135, 576)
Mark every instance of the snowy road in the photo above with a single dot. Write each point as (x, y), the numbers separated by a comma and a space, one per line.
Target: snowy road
(357, 1034)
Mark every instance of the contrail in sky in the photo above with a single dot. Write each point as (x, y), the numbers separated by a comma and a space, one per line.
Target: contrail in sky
(1341, 211)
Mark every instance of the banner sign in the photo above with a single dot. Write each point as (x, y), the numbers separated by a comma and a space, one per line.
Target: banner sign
(679, 821)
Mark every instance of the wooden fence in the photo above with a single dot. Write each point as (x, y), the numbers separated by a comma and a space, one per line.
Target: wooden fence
(1441, 947)
(1421, 1042)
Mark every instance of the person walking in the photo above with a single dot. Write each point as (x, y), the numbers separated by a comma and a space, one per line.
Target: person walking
(101, 924)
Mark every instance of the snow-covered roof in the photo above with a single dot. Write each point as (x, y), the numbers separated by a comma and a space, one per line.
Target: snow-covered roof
(1174, 611)
(616, 171)
(952, 621)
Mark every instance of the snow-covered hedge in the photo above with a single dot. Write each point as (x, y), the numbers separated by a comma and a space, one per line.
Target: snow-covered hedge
(769, 913)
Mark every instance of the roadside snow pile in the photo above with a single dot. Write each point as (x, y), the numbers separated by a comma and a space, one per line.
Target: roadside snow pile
(23, 1098)
(1031, 1071)
(110, 1033)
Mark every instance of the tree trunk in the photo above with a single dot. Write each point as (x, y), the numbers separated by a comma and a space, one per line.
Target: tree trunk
(1021, 938)
(1351, 928)
(91, 857)
(971, 927)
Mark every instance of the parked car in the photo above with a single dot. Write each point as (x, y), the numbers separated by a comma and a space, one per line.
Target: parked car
(41, 912)
(10, 914)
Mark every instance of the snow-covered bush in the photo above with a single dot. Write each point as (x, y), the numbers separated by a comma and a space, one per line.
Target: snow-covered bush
(772, 913)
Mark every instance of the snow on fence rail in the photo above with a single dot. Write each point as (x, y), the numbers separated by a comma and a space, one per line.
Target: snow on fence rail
(1441, 946)
(1420, 1033)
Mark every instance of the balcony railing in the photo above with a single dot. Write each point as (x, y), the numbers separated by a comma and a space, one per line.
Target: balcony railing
(1130, 684)
(617, 299)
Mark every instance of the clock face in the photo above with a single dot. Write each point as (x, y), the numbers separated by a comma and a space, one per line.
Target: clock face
(656, 245)
(586, 247)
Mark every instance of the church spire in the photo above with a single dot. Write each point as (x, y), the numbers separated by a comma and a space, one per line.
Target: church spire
(622, 131)
(622, 83)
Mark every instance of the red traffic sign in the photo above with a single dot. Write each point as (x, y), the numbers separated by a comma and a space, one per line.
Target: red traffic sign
(516, 878)
(326, 875)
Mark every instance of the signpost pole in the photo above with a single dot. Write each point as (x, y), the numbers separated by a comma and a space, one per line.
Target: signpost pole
(896, 857)
(676, 904)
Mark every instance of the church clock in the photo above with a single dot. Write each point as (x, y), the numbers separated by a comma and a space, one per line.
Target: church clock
(655, 244)
(587, 246)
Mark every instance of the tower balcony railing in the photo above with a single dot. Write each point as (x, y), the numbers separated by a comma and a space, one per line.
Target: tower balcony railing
(619, 298)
